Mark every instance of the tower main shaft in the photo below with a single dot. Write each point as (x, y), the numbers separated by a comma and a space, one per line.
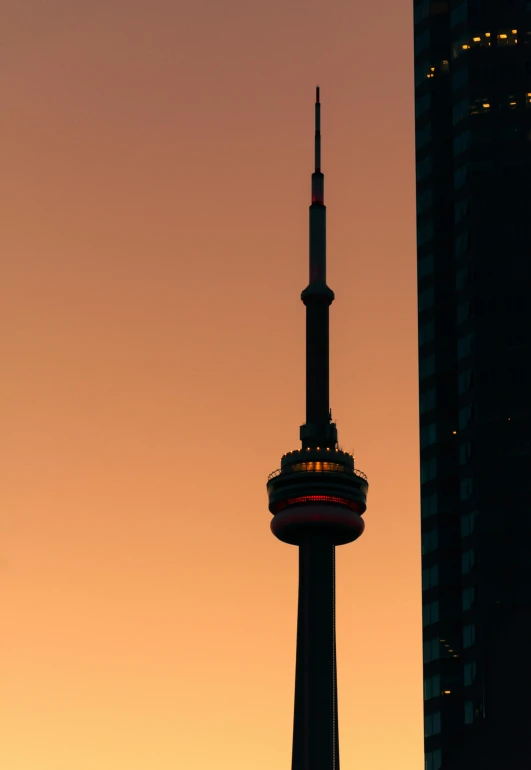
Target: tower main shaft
(317, 499)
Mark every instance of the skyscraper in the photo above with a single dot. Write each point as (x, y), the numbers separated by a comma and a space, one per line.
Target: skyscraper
(317, 499)
(473, 163)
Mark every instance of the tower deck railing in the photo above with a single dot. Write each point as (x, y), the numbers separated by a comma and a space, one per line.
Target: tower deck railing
(276, 473)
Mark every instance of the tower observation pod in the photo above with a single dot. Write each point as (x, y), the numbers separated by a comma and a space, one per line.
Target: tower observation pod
(317, 498)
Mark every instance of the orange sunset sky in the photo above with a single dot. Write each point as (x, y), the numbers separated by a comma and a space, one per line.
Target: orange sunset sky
(156, 161)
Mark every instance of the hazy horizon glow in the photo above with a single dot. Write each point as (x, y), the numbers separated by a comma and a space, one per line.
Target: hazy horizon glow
(156, 184)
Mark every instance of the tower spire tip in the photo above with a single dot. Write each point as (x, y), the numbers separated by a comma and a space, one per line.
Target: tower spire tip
(317, 95)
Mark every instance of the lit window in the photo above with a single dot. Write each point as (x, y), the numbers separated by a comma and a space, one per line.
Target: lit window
(469, 635)
(432, 724)
(468, 597)
(469, 673)
(317, 466)
(432, 687)
(430, 541)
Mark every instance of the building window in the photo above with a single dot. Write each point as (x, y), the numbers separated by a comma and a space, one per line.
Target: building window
(459, 14)
(430, 541)
(461, 278)
(464, 416)
(459, 77)
(430, 650)
(428, 506)
(466, 487)
(432, 687)
(460, 176)
(422, 42)
(461, 210)
(464, 381)
(423, 104)
(426, 366)
(461, 110)
(426, 332)
(463, 312)
(430, 613)
(427, 401)
(469, 635)
(426, 299)
(462, 244)
(430, 577)
(424, 202)
(433, 760)
(469, 712)
(468, 597)
(465, 346)
(428, 470)
(468, 522)
(423, 136)
(425, 266)
(424, 168)
(462, 142)
(428, 435)
(432, 724)
(467, 561)
(422, 10)
(465, 452)
(425, 230)
(469, 673)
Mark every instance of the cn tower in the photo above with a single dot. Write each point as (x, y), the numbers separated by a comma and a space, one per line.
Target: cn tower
(317, 499)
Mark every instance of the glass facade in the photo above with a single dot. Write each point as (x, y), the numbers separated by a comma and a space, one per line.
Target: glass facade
(473, 172)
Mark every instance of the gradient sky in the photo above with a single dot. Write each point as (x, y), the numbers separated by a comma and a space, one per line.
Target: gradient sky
(156, 162)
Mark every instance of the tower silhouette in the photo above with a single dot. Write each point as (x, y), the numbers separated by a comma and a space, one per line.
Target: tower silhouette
(317, 499)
